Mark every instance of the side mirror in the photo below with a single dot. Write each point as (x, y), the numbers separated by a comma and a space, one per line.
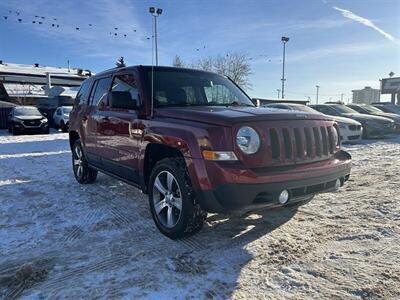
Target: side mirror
(121, 100)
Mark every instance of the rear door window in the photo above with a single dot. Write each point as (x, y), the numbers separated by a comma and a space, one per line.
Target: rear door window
(100, 92)
(126, 83)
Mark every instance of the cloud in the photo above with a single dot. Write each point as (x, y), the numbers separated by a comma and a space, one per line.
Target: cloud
(337, 50)
(349, 15)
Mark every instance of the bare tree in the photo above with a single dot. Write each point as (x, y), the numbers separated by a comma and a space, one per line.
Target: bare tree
(234, 65)
(178, 62)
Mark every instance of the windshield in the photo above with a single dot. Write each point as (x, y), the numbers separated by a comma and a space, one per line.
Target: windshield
(27, 111)
(194, 88)
(371, 109)
(67, 110)
(344, 109)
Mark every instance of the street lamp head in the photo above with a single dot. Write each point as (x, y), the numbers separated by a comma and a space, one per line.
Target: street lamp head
(285, 39)
(159, 11)
(152, 10)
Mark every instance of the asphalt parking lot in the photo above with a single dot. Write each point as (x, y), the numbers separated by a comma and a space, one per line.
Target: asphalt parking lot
(59, 239)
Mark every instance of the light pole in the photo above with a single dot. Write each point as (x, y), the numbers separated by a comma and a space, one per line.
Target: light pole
(155, 12)
(279, 92)
(317, 86)
(284, 40)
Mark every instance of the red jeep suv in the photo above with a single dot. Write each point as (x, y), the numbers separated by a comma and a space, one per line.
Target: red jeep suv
(195, 143)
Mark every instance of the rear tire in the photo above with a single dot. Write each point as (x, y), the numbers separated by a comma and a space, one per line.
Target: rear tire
(14, 130)
(172, 200)
(82, 172)
(63, 127)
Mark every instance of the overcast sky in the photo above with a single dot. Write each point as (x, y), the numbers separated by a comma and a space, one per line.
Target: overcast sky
(339, 45)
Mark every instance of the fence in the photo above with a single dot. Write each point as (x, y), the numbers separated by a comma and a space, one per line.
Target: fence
(4, 111)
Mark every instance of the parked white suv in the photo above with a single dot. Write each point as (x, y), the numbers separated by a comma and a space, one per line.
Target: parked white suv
(61, 117)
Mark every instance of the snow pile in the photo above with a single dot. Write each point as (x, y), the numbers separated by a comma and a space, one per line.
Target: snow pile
(60, 239)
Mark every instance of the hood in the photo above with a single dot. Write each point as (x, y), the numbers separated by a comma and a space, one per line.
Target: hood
(29, 118)
(226, 116)
(344, 120)
(363, 117)
(393, 117)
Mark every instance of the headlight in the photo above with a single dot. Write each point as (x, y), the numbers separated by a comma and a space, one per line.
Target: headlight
(335, 136)
(248, 140)
(44, 120)
(342, 125)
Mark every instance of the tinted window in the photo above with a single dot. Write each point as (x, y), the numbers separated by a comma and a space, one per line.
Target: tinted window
(26, 111)
(356, 108)
(326, 110)
(344, 109)
(83, 94)
(126, 83)
(100, 92)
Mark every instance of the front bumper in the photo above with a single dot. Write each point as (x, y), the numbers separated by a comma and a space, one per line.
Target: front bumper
(378, 130)
(35, 128)
(241, 193)
(350, 136)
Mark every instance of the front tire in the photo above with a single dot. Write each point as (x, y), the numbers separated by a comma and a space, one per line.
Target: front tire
(172, 200)
(82, 172)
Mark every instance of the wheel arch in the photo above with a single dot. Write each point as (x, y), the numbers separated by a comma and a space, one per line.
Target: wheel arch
(73, 137)
(154, 153)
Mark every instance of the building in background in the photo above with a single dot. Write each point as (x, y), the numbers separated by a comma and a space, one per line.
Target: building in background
(391, 86)
(39, 85)
(367, 95)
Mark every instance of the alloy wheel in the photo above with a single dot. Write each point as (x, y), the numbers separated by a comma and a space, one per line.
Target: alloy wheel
(167, 199)
(78, 161)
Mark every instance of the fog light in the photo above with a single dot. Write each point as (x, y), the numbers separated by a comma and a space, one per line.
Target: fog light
(283, 197)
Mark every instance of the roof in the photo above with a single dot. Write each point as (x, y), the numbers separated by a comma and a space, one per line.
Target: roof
(39, 70)
(7, 104)
(17, 73)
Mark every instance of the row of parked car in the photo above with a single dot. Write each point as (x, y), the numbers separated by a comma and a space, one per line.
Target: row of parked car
(356, 121)
(29, 119)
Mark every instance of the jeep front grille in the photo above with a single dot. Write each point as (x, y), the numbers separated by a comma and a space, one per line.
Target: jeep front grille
(301, 144)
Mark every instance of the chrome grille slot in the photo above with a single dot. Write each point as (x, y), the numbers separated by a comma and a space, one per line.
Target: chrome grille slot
(318, 141)
(287, 143)
(324, 141)
(275, 145)
(299, 143)
(307, 132)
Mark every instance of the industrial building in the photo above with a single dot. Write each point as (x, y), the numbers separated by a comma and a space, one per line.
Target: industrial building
(39, 85)
(367, 95)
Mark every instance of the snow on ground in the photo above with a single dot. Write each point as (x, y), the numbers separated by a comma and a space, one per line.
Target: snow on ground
(59, 239)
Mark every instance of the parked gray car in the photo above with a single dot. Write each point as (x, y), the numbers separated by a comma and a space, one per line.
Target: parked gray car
(371, 110)
(374, 126)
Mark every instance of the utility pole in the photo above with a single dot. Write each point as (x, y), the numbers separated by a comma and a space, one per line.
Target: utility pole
(155, 12)
(317, 86)
(284, 40)
(279, 91)
(341, 97)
